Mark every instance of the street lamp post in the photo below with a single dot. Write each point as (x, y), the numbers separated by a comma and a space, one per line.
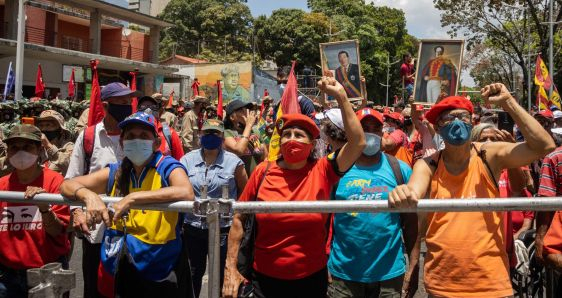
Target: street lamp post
(388, 64)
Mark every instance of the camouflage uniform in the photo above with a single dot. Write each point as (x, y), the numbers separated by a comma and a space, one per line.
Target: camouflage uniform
(58, 150)
(9, 111)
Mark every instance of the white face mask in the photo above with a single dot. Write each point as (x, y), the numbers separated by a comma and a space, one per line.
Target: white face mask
(23, 160)
(138, 151)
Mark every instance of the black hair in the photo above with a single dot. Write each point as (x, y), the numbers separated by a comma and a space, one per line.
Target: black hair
(343, 52)
(332, 131)
(406, 55)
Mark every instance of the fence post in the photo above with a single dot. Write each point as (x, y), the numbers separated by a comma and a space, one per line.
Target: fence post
(213, 222)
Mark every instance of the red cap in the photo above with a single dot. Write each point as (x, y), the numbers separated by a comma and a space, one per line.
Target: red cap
(546, 114)
(298, 120)
(449, 103)
(396, 116)
(368, 112)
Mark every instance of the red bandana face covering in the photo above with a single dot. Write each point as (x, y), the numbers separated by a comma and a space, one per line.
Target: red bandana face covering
(295, 151)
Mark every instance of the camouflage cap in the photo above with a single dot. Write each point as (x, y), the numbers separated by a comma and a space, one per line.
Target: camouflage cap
(213, 124)
(9, 105)
(52, 115)
(24, 131)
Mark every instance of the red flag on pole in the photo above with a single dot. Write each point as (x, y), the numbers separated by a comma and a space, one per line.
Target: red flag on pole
(71, 84)
(96, 114)
(219, 100)
(195, 87)
(265, 93)
(134, 101)
(289, 105)
(39, 85)
(171, 100)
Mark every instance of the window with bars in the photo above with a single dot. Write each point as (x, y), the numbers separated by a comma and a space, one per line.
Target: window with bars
(72, 43)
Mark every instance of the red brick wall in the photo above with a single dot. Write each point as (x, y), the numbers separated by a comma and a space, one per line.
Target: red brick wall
(134, 47)
(73, 30)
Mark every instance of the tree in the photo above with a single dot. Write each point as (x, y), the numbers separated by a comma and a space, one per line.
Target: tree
(503, 24)
(291, 34)
(381, 32)
(215, 30)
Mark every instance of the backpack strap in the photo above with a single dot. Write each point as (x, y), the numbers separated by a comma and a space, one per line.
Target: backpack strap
(261, 180)
(395, 165)
(89, 138)
(482, 155)
(167, 135)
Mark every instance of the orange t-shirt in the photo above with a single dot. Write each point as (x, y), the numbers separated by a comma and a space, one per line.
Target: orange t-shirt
(553, 237)
(466, 254)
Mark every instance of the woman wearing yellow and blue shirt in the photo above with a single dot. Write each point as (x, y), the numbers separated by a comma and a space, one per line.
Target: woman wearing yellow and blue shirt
(142, 253)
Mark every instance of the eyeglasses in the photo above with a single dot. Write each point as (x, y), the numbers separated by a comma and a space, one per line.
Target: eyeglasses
(446, 119)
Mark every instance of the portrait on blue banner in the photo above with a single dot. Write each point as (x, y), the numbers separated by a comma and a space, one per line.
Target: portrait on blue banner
(341, 60)
(438, 70)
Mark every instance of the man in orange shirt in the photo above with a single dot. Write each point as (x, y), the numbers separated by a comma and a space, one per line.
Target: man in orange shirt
(465, 250)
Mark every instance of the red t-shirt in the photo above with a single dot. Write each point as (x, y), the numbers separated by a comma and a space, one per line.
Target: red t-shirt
(177, 148)
(405, 71)
(24, 242)
(288, 245)
(551, 174)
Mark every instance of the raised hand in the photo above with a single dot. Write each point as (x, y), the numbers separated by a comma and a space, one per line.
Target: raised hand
(495, 94)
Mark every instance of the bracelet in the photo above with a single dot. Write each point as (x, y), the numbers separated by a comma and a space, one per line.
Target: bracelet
(43, 212)
(76, 191)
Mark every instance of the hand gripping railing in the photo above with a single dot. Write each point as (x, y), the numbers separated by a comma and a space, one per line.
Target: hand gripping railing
(214, 209)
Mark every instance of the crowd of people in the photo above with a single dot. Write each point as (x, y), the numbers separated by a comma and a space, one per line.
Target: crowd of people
(330, 151)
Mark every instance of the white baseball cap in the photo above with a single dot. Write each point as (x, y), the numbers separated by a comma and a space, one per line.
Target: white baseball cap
(557, 114)
(334, 115)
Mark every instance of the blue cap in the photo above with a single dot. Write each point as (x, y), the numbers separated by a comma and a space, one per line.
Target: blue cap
(139, 118)
(117, 89)
(554, 108)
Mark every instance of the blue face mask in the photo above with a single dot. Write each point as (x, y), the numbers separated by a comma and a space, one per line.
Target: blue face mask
(138, 151)
(456, 132)
(211, 141)
(373, 144)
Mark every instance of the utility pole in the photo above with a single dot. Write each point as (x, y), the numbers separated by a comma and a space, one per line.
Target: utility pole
(20, 49)
(224, 58)
(528, 58)
(388, 64)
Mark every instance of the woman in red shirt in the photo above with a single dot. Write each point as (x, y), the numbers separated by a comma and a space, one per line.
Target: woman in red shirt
(31, 235)
(289, 249)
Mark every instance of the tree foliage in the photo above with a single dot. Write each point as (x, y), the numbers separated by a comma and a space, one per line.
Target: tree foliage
(503, 26)
(208, 29)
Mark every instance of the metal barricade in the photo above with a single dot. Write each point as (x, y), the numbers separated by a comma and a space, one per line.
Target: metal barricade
(214, 209)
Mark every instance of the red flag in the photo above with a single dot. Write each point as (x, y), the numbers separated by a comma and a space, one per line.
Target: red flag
(71, 84)
(170, 101)
(265, 93)
(39, 85)
(289, 100)
(219, 100)
(195, 87)
(96, 114)
(289, 105)
(134, 101)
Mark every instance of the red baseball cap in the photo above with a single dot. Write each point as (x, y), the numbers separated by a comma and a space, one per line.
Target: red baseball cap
(396, 116)
(368, 112)
(449, 103)
(546, 114)
(298, 120)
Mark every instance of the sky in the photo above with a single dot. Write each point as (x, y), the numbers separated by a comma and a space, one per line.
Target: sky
(423, 20)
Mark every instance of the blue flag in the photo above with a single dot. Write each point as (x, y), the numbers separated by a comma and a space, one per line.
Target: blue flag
(10, 80)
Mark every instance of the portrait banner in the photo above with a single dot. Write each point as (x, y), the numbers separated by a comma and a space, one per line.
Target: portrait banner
(236, 80)
(438, 70)
(341, 60)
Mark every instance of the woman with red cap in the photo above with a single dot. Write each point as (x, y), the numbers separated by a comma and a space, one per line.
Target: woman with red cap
(465, 250)
(289, 249)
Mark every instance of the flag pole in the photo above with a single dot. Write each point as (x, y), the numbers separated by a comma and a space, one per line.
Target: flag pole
(19, 49)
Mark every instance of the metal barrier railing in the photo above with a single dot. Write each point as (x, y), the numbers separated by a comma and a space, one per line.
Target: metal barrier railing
(214, 208)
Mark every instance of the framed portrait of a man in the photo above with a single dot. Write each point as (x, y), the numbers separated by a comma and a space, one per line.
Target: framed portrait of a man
(341, 59)
(438, 69)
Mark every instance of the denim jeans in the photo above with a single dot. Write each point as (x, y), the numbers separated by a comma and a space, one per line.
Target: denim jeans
(197, 241)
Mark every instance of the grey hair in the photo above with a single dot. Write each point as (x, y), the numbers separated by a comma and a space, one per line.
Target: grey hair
(228, 69)
(478, 129)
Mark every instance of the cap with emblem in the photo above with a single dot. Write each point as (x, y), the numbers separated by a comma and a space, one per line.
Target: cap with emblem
(298, 120)
(140, 118)
(213, 124)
